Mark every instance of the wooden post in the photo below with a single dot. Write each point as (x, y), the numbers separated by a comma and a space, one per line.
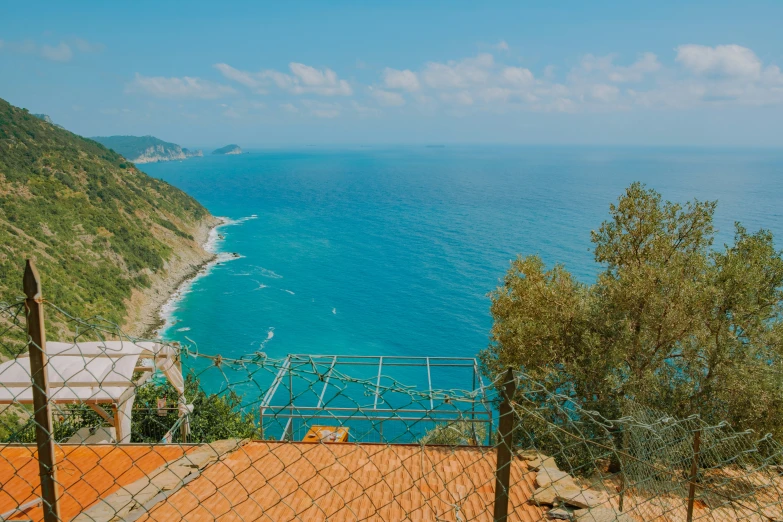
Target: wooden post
(43, 412)
(694, 473)
(505, 435)
(117, 423)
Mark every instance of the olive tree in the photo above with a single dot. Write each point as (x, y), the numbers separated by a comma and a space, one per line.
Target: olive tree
(671, 322)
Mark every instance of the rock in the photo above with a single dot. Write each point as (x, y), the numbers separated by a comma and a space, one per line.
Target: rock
(602, 514)
(546, 476)
(544, 496)
(547, 462)
(533, 463)
(529, 454)
(584, 499)
(561, 514)
(568, 493)
(535, 460)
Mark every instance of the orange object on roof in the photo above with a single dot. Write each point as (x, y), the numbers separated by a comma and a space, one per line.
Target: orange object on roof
(318, 433)
(85, 473)
(282, 481)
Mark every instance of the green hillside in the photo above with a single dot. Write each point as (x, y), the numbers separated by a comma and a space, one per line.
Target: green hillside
(145, 148)
(96, 225)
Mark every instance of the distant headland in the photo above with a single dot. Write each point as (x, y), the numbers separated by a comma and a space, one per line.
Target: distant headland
(146, 149)
(228, 149)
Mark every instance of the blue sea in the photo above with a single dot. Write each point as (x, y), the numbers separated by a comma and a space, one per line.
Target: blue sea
(392, 251)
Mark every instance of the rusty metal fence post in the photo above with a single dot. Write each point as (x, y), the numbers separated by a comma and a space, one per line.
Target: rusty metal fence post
(694, 473)
(505, 441)
(44, 436)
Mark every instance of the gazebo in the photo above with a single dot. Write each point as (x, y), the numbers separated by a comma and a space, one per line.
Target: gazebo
(97, 373)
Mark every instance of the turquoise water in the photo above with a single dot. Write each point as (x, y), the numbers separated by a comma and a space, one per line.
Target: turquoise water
(392, 251)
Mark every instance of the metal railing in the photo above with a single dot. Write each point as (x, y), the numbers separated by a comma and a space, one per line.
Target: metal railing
(320, 402)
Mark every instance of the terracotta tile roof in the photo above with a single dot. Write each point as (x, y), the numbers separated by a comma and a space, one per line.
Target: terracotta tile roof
(85, 473)
(279, 481)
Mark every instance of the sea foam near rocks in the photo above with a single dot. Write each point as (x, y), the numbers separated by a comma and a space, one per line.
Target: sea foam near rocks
(213, 244)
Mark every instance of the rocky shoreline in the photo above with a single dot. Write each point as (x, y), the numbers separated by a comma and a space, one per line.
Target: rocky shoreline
(159, 153)
(143, 318)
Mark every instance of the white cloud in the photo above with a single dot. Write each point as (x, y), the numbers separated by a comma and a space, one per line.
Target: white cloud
(289, 107)
(458, 75)
(502, 46)
(647, 64)
(59, 53)
(185, 87)
(604, 66)
(389, 98)
(457, 98)
(307, 79)
(63, 51)
(603, 92)
(406, 80)
(517, 76)
(84, 46)
(557, 105)
(363, 110)
(693, 76)
(495, 94)
(324, 82)
(303, 79)
(241, 77)
(282, 80)
(722, 60)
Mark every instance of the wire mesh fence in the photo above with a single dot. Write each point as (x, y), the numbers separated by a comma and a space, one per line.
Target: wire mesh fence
(144, 430)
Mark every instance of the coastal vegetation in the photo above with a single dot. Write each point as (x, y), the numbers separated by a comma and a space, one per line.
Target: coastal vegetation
(672, 322)
(146, 149)
(214, 417)
(457, 433)
(97, 226)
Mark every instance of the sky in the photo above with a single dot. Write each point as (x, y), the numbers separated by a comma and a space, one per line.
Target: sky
(270, 74)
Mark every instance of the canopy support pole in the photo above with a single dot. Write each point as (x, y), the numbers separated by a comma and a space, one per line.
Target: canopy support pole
(117, 422)
(100, 411)
(378, 383)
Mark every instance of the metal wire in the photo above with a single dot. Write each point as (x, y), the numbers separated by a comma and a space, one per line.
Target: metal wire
(310, 438)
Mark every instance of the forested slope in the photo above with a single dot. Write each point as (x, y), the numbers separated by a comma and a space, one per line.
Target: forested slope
(98, 228)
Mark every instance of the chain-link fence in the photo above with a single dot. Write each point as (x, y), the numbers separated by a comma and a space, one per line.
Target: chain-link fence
(98, 426)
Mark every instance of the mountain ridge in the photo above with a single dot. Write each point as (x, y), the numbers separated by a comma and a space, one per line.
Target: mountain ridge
(146, 149)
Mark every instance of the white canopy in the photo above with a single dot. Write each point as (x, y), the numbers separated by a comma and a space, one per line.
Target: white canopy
(94, 373)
